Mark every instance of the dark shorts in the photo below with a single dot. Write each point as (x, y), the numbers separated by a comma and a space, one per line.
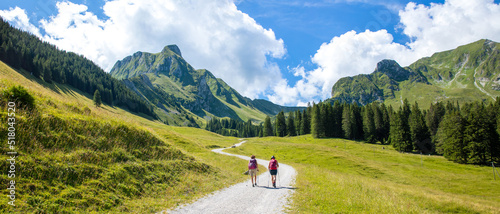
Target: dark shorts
(273, 171)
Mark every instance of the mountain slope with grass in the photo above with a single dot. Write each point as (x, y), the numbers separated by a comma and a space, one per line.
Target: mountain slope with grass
(74, 157)
(467, 73)
(167, 74)
(22, 50)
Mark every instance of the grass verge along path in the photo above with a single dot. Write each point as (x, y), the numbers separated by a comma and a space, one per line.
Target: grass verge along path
(242, 197)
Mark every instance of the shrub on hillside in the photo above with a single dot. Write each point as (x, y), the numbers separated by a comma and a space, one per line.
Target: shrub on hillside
(20, 96)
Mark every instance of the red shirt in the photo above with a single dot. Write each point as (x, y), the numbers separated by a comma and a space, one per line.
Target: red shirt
(273, 164)
(252, 164)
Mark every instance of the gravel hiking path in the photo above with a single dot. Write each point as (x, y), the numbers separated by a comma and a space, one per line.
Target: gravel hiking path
(242, 197)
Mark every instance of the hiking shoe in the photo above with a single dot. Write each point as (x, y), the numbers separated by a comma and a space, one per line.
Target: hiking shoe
(253, 185)
(274, 185)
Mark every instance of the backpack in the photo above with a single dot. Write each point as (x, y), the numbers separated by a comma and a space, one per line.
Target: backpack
(273, 164)
(252, 164)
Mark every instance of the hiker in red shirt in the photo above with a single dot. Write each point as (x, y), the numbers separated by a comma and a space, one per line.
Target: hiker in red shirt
(252, 170)
(273, 169)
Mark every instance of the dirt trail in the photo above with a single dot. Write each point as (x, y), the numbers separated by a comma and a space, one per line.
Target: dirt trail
(242, 197)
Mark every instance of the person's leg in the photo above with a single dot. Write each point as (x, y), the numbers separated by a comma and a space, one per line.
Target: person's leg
(252, 175)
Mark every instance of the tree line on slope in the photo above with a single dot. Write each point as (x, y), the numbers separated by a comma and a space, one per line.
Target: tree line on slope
(234, 128)
(464, 134)
(22, 50)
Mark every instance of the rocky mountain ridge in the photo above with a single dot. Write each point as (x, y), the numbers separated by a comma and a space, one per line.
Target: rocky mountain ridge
(469, 72)
(165, 78)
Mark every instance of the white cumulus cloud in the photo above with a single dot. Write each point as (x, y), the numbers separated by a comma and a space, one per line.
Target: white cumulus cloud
(211, 34)
(433, 28)
(351, 54)
(445, 26)
(18, 18)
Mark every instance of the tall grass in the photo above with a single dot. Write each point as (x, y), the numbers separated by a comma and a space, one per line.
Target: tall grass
(76, 158)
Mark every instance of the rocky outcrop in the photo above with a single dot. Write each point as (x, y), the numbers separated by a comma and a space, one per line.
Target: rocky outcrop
(393, 70)
(173, 48)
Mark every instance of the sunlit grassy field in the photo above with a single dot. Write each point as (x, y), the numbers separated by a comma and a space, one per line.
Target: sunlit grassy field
(341, 176)
(87, 159)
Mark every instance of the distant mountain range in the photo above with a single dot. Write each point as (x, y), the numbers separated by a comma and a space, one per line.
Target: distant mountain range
(170, 83)
(467, 73)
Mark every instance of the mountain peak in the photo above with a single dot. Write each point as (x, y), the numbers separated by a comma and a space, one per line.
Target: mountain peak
(173, 48)
(387, 64)
(392, 69)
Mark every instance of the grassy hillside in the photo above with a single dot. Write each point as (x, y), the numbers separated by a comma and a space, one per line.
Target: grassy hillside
(342, 176)
(468, 73)
(166, 80)
(74, 157)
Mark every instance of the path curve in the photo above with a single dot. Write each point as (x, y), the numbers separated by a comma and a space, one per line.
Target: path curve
(242, 197)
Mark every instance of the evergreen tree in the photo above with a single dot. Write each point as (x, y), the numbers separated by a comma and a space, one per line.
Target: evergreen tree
(47, 72)
(290, 125)
(420, 136)
(498, 125)
(406, 110)
(433, 118)
(249, 129)
(369, 124)
(305, 123)
(451, 142)
(97, 98)
(347, 123)
(281, 124)
(357, 122)
(494, 112)
(496, 149)
(317, 128)
(480, 134)
(384, 130)
(337, 120)
(400, 132)
(298, 121)
(268, 128)
(450, 107)
(381, 122)
(328, 120)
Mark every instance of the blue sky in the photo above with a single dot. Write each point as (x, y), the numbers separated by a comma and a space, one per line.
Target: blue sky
(304, 26)
(289, 52)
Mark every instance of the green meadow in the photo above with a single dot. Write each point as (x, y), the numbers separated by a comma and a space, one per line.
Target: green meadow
(77, 158)
(342, 176)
